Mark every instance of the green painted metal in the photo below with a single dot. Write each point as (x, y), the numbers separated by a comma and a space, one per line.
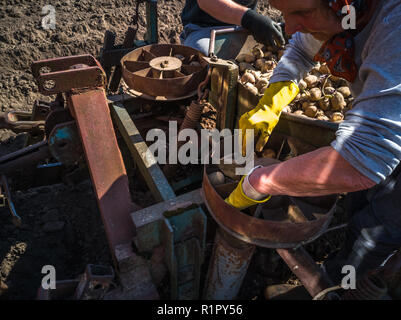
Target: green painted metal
(147, 164)
(184, 239)
(148, 221)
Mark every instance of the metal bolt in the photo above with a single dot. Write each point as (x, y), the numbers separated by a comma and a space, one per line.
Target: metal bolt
(164, 64)
(214, 57)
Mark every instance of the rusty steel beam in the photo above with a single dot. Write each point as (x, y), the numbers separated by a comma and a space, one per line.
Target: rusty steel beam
(105, 164)
(305, 268)
(83, 81)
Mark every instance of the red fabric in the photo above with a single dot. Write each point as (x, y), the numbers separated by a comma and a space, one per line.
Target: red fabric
(338, 53)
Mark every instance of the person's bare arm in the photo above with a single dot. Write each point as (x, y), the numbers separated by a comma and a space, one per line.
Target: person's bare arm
(224, 10)
(321, 172)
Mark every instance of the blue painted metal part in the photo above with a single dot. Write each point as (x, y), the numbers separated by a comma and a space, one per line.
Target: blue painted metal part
(184, 239)
(65, 144)
(49, 165)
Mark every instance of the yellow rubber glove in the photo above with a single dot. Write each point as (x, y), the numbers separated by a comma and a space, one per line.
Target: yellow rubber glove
(265, 116)
(240, 200)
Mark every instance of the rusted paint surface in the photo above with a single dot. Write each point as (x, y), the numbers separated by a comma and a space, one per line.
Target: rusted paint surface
(62, 63)
(66, 73)
(228, 266)
(266, 233)
(105, 163)
(82, 80)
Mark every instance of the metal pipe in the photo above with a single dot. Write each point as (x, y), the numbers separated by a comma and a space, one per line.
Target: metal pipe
(228, 266)
(24, 158)
(215, 32)
(305, 268)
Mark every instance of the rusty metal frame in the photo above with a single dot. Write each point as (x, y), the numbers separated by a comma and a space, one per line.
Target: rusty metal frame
(105, 163)
(7, 195)
(20, 121)
(305, 268)
(270, 234)
(82, 80)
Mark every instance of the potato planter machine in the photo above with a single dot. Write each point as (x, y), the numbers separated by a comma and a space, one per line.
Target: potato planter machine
(75, 134)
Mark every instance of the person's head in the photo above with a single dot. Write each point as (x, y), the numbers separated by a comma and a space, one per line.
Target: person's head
(309, 16)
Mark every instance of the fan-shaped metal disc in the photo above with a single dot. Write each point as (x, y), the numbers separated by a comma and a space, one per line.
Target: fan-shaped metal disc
(164, 70)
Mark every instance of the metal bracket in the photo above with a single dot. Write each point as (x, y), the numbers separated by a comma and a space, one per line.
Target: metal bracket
(223, 92)
(216, 62)
(184, 239)
(66, 73)
(95, 282)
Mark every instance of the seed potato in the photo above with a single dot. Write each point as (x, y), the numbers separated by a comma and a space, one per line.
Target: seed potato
(337, 102)
(322, 96)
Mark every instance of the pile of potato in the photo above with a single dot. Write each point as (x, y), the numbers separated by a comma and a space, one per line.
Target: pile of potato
(322, 96)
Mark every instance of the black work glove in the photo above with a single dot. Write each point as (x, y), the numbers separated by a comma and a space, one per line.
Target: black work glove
(264, 29)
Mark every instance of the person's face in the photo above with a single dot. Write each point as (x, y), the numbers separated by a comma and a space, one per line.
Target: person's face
(309, 16)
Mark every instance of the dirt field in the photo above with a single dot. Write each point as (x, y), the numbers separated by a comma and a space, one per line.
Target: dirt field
(61, 224)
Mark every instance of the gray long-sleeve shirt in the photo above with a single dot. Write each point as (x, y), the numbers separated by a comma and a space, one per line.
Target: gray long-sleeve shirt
(370, 136)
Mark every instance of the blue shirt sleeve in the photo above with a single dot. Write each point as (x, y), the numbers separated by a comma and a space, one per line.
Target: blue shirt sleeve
(370, 136)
